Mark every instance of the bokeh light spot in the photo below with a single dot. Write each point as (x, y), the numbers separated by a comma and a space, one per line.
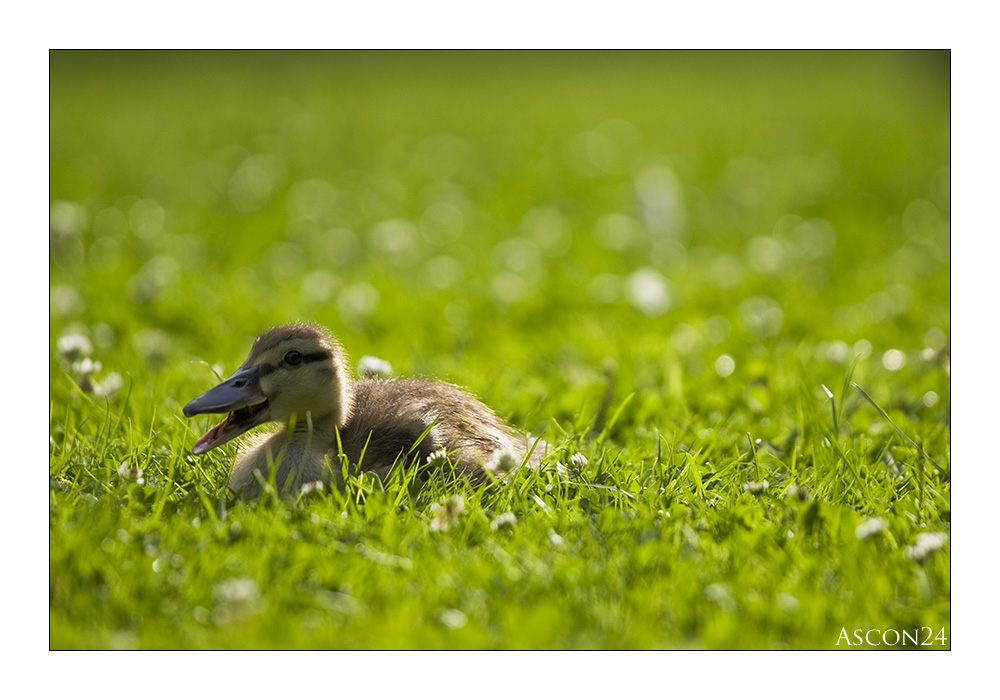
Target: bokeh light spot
(507, 288)
(660, 202)
(318, 287)
(617, 232)
(609, 147)
(935, 338)
(862, 349)
(893, 360)
(762, 316)
(548, 228)
(395, 240)
(726, 271)
(443, 272)
(146, 219)
(766, 254)
(66, 301)
(253, 183)
(359, 301)
(442, 223)
(67, 218)
(647, 292)
(311, 199)
(724, 365)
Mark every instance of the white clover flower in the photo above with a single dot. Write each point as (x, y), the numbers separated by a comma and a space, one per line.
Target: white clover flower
(578, 460)
(755, 487)
(110, 385)
(236, 590)
(372, 367)
(504, 521)
(787, 602)
(797, 491)
(870, 528)
(720, 594)
(236, 598)
(74, 346)
(447, 512)
(454, 504)
(86, 367)
(927, 543)
(452, 618)
(437, 458)
(502, 462)
(131, 473)
(312, 487)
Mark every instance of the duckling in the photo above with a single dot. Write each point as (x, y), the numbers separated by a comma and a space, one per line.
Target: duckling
(298, 374)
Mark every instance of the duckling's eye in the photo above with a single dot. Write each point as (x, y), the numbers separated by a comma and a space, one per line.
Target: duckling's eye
(293, 358)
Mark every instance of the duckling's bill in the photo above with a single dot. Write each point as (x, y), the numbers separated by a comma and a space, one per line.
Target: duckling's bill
(241, 396)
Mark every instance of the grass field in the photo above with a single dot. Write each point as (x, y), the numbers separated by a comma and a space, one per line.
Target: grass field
(721, 279)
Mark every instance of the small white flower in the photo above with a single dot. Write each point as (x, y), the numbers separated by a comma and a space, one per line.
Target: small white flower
(720, 594)
(86, 367)
(578, 461)
(452, 618)
(447, 512)
(236, 598)
(504, 521)
(372, 367)
(797, 491)
(236, 590)
(927, 543)
(437, 458)
(503, 461)
(647, 291)
(74, 346)
(555, 539)
(110, 385)
(755, 487)
(787, 602)
(131, 473)
(312, 487)
(869, 528)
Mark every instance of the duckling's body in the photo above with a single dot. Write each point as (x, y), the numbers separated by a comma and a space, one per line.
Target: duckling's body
(297, 374)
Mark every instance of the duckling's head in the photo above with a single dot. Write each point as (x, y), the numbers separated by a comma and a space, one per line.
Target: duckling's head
(294, 370)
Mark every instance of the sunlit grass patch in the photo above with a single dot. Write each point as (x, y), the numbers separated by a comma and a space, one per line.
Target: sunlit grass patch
(715, 289)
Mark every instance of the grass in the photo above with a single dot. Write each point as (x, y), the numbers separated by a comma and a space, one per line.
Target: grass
(702, 272)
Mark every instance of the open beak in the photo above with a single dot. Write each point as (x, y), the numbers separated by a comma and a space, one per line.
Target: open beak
(241, 397)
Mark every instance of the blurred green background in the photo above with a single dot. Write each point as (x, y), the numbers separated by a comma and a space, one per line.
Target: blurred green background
(396, 197)
(716, 232)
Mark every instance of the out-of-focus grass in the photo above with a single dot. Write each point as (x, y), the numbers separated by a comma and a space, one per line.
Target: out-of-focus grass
(695, 244)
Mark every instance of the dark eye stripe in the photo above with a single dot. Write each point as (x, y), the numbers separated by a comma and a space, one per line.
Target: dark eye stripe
(316, 356)
(266, 368)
